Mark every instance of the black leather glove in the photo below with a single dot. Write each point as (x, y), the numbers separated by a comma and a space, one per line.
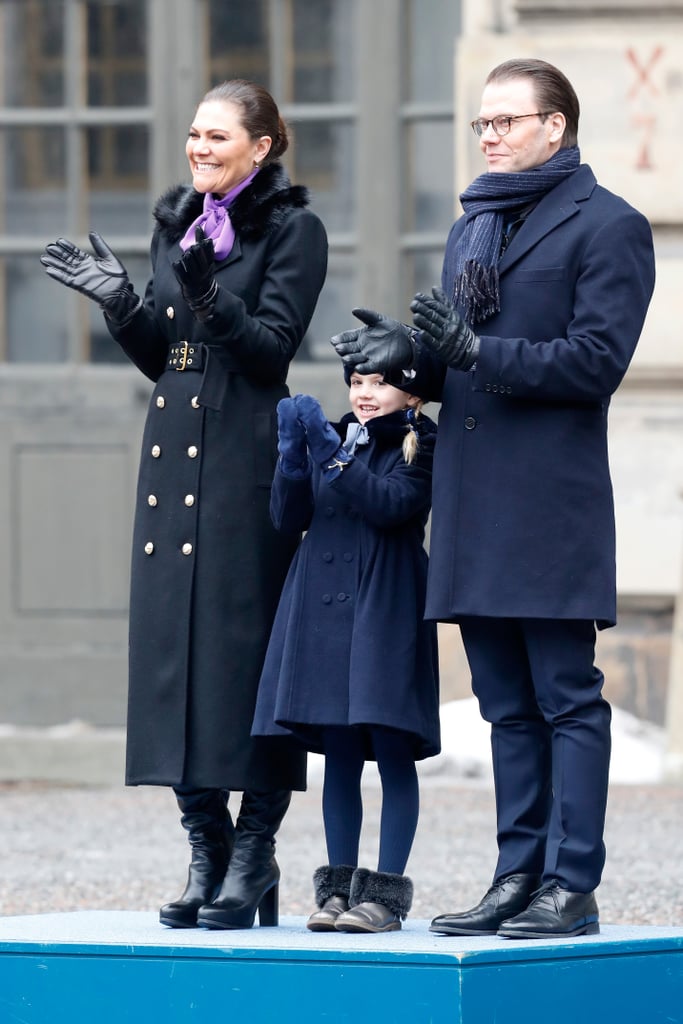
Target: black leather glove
(444, 330)
(383, 346)
(323, 440)
(101, 277)
(291, 442)
(195, 271)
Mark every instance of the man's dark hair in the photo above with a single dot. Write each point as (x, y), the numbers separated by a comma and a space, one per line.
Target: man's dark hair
(553, 90)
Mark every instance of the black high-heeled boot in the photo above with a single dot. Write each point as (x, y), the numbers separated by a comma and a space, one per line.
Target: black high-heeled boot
(251, 882)
(204, 814)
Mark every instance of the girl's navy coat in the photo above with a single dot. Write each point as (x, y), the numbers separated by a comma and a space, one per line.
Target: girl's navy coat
(349, 643)
(523, 515)
(207, 565)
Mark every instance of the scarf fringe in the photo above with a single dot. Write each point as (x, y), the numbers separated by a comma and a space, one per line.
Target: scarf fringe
(476, 292)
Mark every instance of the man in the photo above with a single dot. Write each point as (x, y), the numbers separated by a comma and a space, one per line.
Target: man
(545, 286)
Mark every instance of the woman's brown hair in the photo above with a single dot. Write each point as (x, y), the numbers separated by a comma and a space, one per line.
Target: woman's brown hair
(259, 112)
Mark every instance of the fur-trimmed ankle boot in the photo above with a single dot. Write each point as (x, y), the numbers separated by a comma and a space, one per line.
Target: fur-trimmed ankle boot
(378, 900)
(331, 886)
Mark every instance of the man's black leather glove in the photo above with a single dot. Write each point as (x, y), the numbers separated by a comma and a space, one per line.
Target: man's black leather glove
(101, 277)
(444, 330)
(383, 346)
(195, 271)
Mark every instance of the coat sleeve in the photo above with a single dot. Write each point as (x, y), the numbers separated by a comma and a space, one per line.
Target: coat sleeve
(141, 339)
(266, 341)
(612, 287)
(291, 503)
(393, 498)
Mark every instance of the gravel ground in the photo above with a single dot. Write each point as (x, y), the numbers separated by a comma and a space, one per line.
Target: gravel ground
(79, 848)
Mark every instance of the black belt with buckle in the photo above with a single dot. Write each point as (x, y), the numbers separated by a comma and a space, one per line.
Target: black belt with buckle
(185, 356)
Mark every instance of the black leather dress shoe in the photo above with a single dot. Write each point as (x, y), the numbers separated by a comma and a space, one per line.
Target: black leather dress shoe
(506, 897)
(554, 913)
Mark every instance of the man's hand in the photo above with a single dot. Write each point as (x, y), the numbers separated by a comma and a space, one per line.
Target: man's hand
(383, 346)
(101, 277)
(195, 271)
(444, 330)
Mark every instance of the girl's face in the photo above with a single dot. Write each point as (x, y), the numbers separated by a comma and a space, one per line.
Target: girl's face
(219, 149)
(370, 397)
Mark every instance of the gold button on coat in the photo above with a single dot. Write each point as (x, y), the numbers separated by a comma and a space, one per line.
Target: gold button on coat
(193, 451)
(189, 500)
(187, 549)
(161, 401)
(152, 500)
(149, 547)
(156, 451)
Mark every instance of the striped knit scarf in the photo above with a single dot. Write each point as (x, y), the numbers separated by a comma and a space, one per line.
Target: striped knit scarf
(473, 263)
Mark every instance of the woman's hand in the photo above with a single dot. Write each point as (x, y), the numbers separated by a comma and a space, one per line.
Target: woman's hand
(195, 271)
(101, 277)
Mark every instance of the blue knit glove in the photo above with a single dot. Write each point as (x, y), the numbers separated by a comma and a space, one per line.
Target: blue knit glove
(291, 442)
(323, 440)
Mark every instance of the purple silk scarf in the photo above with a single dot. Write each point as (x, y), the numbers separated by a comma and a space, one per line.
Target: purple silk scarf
(215, 220)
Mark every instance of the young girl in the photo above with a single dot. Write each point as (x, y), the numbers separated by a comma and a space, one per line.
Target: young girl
(351, 668)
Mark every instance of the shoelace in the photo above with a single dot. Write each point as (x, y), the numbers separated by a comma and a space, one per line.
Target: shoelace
(551, 889)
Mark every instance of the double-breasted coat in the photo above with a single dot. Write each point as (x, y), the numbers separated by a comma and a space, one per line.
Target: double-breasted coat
(350, 646)
(207, 563)
(523, 516)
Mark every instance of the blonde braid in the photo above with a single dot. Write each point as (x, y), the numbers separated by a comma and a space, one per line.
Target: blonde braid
(410, 441)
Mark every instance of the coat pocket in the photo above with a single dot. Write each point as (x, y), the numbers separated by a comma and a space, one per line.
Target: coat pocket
(539, 274)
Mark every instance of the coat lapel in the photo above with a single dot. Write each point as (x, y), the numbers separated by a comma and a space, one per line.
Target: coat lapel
(554, 209)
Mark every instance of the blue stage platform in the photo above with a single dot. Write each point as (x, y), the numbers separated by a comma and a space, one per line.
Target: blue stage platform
(120, 967)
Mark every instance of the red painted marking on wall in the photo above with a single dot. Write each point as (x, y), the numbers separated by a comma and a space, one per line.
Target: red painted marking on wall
(643, 71)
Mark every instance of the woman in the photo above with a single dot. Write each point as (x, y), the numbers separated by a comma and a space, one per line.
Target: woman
(238, 263)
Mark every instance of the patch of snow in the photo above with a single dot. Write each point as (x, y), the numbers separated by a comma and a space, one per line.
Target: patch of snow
(637, 748)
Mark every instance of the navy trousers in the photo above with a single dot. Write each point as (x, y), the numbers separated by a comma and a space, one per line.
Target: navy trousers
(537, 684)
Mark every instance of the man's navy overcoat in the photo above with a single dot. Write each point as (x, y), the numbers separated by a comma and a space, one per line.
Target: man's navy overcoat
(523, 516)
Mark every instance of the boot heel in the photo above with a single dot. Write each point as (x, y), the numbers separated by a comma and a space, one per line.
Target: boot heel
(268, 908)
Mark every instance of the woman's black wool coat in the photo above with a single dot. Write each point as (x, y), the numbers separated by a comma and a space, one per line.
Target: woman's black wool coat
(207, 564)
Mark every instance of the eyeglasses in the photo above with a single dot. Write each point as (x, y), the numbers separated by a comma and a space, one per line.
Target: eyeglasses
(502, 123)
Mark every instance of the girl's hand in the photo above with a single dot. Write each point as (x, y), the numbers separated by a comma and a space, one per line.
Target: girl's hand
(291, 440)
(323, 440)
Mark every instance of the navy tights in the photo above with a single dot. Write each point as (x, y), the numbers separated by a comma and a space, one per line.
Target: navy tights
(342, 800)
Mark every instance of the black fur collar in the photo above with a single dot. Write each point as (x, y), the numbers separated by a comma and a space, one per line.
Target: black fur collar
(256, 211)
